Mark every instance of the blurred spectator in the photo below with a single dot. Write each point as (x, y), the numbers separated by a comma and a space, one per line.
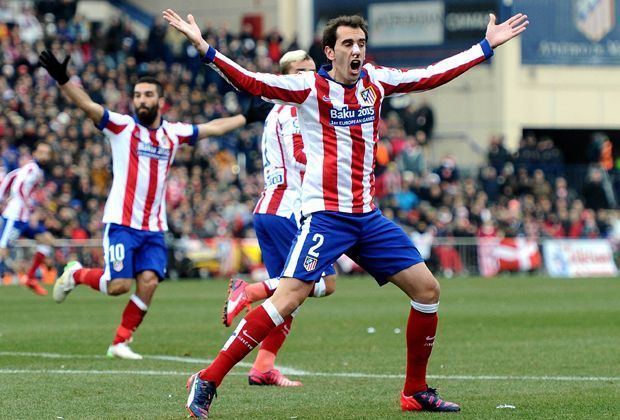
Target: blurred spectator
(497, 155)
(411, 158)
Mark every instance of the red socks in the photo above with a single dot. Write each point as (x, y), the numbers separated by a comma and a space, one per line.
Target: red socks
(253, 329)
(132, 317)
(421, 329)
(36, 262)
(266, 357)
(88, 276)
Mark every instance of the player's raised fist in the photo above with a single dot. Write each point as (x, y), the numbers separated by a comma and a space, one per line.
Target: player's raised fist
(55, 68)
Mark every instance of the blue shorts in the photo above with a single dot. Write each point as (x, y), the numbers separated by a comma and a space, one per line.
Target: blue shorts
(129, 251)
(12, 229)
(376, 243)
(275, 235)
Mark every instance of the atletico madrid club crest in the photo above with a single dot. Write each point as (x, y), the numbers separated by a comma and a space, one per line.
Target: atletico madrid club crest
(118, 265)
(310, 263)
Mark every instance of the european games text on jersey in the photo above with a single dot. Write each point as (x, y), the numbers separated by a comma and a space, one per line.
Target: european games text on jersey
(284, 162)
(19, 185)
(141, 159)
(340, 122)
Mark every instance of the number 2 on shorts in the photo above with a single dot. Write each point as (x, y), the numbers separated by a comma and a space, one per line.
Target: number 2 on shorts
(318, 238)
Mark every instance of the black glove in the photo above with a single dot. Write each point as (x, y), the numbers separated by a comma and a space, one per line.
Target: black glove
(56, 69)
(257, 110)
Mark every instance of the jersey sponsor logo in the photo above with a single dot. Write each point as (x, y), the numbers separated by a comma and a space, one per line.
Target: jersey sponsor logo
(310, 263)
(368, 96)
(344, 117)
(326, 98)
(150, 151)
(274, 177)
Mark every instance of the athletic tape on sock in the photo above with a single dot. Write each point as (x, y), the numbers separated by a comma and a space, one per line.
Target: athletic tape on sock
(272, 283)
(272, 312)
(425, 308)
(44, 249)
(139, 303)
(319, 288)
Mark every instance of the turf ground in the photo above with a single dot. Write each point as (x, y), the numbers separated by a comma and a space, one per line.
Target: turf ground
(548, 347)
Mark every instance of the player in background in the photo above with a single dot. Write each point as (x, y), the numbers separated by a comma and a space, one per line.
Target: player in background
(338, 111)
(143, 149)
(276, 216)
(19, 186)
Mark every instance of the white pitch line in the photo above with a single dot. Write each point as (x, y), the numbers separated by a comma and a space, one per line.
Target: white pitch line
(285, 370)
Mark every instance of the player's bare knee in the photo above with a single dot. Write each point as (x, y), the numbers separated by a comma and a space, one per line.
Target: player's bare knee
(118, 287)
(147, 281)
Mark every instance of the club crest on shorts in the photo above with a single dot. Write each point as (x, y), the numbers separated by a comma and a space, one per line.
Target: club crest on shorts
(117, 265)
(310, 263)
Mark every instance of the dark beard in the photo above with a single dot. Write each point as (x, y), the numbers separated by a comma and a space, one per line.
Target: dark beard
(147, 118)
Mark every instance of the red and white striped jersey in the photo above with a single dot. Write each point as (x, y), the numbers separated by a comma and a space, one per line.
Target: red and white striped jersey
(141, 159)
(19, 185)
(284, 162)
(340, 122)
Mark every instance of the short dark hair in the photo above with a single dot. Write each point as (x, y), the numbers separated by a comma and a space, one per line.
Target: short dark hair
(41, 143)
(152, 81)
(329, 32)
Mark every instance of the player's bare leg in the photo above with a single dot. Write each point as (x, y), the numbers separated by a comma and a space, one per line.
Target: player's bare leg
(134, 313)
(423, 289)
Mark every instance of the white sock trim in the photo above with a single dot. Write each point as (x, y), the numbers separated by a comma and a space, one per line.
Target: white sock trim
(319, 288)
(272, 283)
(103, 285)
(272, 312)
(44, 249)
(425, 308)
(139, 303)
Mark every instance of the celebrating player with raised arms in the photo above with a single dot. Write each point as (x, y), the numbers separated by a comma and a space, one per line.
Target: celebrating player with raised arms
(276, 215)
(338, 112)
(143, 149)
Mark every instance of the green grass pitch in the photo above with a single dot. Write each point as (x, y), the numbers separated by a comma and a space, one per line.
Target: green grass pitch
(548, 347)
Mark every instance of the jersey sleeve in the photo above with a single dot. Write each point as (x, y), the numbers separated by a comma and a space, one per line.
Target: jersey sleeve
(400, 81)
(290, 89)
(186, 133)
(113, 123)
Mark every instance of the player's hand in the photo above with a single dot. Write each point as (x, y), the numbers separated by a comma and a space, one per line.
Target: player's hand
(498, 34)
(55, 68)
(188, 28)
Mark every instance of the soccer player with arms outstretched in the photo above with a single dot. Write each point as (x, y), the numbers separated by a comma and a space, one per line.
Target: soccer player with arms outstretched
(338, 112)
(143, 149)
(276, 215)
(19, 186)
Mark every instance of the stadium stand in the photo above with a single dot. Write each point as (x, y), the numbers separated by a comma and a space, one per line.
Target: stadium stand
(213, 188)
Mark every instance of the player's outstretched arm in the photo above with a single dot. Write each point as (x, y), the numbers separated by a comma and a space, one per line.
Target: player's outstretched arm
(78, 96)
(220, 126)
(287, 89)
(499, 34)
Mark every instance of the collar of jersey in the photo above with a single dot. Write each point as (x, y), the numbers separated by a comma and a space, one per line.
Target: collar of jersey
(161, 120)
(324, 71)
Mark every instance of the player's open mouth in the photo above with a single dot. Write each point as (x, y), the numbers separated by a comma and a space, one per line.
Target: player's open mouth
(355, 65)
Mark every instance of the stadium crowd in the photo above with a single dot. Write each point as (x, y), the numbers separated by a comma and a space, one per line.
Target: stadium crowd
(213, 187)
